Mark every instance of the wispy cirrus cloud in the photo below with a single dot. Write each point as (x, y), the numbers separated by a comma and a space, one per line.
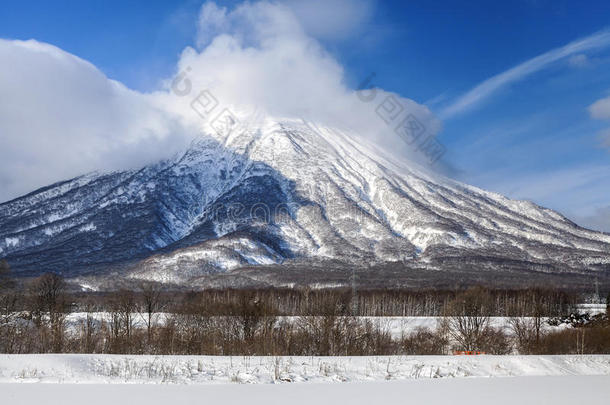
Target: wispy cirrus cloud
(491, 86)
(580, 60)
(580, 192)
(600, 110)
(599, 220)
(604, 137)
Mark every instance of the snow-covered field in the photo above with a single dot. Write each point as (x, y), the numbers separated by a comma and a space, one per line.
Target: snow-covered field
(571, 390)
(396, 325)
(117, 379)
(117, 369)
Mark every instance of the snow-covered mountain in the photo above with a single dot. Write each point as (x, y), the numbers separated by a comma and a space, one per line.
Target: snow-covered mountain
(284, 191)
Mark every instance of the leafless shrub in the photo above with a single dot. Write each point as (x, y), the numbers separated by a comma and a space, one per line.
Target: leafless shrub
(527, 334)
(591, 339)
(494, 341)
(426, 341)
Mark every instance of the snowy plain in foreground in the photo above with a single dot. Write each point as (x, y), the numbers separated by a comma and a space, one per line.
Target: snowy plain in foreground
(128, 379)
(590, 390)
(117, 369)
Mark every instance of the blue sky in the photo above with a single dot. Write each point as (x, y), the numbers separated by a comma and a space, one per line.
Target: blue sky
(533, 137)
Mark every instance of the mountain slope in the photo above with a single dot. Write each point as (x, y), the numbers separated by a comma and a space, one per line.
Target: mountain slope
(283, 191)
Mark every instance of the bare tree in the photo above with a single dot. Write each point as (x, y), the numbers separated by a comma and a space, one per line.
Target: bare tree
(48, 307)
(150, 305)
(88, 329)
(527, 328)
(123, 306)
(8, 297)
(251, 313)
(469, 318)
(48, 295)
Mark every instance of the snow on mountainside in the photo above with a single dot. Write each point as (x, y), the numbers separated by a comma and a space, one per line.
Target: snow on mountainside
(282, 191)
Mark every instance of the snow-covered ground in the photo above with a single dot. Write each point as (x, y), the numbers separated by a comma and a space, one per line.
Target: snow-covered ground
(150, 380)
(592, 309)
(571, 390)
(74, 368)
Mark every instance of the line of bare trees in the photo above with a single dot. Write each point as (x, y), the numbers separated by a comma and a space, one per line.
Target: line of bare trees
(377, 302)
(44, 316)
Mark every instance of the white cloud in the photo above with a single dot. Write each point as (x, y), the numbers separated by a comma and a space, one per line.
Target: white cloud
(212, 19)
(258, 56)
(489, 87)
(600, 109)
(62, 117)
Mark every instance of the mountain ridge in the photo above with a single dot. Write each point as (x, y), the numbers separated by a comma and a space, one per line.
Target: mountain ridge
(280, 192)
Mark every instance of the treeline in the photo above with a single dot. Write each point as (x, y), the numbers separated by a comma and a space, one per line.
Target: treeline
(360, 301)
(39, 317)
(386, 302)
(344, 301)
